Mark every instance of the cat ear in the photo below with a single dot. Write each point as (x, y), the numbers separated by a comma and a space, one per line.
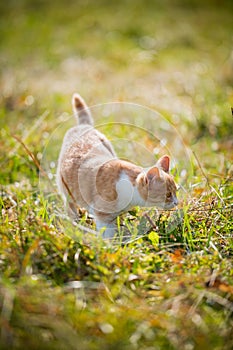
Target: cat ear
(152, 173)
(164, 163)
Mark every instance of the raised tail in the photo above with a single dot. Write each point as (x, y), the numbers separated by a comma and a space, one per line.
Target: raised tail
(81, 111)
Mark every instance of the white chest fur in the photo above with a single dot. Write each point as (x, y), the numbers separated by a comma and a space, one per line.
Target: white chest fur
(128, 195)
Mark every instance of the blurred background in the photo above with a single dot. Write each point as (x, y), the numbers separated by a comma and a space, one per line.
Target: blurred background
(173, 56)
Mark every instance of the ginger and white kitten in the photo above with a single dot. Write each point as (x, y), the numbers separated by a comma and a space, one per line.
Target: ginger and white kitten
(90, 175)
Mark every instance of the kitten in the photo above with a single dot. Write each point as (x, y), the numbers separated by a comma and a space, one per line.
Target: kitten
(90, 175)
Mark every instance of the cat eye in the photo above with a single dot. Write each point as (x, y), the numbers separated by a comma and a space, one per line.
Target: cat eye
(169, 195)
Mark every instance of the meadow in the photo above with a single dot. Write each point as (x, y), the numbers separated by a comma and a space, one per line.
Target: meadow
(171, 285)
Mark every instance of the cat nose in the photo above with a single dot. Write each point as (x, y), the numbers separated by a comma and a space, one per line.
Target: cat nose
(175, 201)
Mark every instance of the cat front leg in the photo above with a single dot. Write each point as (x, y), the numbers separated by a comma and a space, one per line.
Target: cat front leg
(109, 228)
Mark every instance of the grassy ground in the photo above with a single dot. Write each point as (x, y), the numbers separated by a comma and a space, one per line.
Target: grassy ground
(172, 288)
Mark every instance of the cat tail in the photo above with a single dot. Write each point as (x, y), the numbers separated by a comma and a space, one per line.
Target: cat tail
(81, 111)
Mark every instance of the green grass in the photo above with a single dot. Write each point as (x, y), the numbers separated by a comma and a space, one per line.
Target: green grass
(171, 286)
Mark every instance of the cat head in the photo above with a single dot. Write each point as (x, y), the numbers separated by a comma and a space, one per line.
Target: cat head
(158, 187)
